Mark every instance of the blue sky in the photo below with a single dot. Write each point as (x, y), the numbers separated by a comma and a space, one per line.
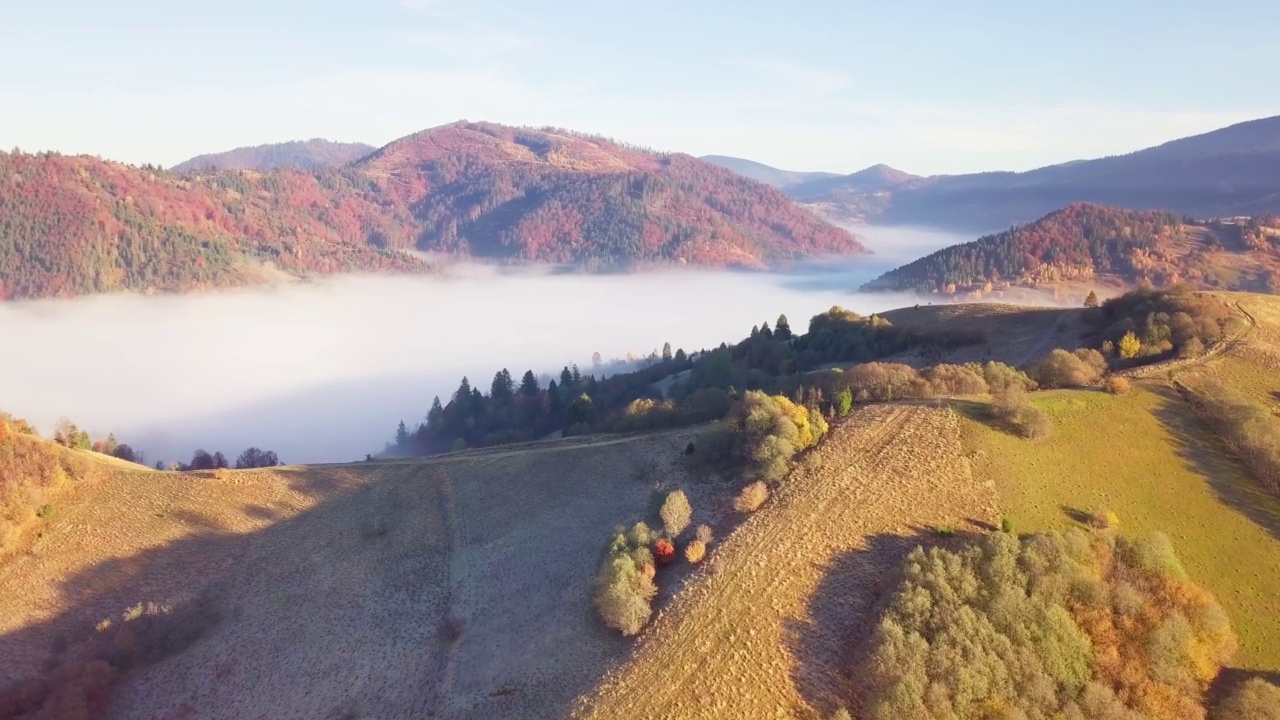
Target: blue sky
(927, 86)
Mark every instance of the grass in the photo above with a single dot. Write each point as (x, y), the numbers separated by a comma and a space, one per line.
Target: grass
(1150, 460)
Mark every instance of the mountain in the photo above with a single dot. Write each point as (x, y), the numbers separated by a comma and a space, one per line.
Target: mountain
(869, 188)
(1084, 242)
(299, 155)
(764, 173)
(1224, 173)
(77, 225)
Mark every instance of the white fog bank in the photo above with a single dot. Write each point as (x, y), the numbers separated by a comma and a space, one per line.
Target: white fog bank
(323, 371)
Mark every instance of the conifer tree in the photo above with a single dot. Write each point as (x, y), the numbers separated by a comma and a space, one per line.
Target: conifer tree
(529, 384)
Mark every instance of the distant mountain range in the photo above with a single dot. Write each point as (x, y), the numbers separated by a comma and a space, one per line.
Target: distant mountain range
(765, 174)
(1087, 243)
(297, 155)
(76, 225)
(1227, 172)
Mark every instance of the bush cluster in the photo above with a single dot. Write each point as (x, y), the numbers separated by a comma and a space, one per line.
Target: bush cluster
(1148, 324)
(1074, 625)
(882, 382)
(1247, 426)
(1061, 369)
(624, 583)
(1013, 409)
(760, 437)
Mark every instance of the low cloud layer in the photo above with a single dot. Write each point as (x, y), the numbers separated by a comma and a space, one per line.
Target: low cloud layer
(323, 371)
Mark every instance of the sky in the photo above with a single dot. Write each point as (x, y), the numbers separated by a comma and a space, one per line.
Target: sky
(929, 86)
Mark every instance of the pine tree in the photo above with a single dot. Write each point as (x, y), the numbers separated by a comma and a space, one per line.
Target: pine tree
(463, 395)
(765, 331)
(553, 398)
(503, 387)
(680, 356)
(666, 352)
(435, 418)
(529, 384)
(1091, 300)
(402, 436)
(782, 329)
(566, 377)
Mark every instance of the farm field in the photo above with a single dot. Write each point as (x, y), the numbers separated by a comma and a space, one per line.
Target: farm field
(1148, 458)
(453, 587)
(767, 626)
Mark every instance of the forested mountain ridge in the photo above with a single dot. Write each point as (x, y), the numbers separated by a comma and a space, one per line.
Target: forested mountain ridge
(1084, 241)
(1227, 172)
(298, 155)
(78, 225)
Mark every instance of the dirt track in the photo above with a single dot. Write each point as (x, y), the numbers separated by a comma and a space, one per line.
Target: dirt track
(765, 630)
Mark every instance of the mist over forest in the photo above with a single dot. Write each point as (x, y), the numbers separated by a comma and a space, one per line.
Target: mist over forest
(323, 371)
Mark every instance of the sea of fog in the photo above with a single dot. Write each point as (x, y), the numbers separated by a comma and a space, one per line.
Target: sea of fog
(323, 371)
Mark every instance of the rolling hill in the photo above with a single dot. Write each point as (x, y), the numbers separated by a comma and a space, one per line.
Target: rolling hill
(765, 173)
(299, 155)
(1228, 172)
(78, 225)
(1088, 243)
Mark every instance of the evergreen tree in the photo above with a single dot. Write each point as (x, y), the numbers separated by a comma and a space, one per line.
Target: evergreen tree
(782, 329)
(435, 418)
(666, 352)
(463, 395)
(402, 436)
(503, 387)
(1091, 300)
(529, 384)
(680, 356)
(765, 331)
(553, 398)
(577, 376)
(566, 377)
(755, 331)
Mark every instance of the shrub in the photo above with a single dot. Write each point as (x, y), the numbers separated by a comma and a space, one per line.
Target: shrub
(1065, 625)
(704, 534)
(760, 437)
(956, 380)
(1006, 525)
(663, 551)
(1254, 699)
(624, 586)
(1117, 385)
(695, 551)
(1013, 408)
(640, 535)
(1061, 369)
(1104, 519)
(751, 497)
(1001, 377)
(675, 513)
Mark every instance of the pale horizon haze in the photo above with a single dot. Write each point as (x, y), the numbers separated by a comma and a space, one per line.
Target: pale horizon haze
(927, 87)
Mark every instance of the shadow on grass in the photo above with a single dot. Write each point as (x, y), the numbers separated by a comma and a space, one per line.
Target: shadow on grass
(833, 642)
(1205, 453)
(1084, 517)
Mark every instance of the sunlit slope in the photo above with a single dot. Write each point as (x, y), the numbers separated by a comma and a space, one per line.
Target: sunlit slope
(457, 587)
(1150, 459)
(1013, 334)
(764, 631)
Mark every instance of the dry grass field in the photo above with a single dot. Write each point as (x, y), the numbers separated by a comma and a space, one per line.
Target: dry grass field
(765, 628)
(1016, 334)
(456, 587)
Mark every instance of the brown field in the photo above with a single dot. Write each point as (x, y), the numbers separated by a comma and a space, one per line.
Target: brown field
(766, 628)
(456, 587)
(1016, 334)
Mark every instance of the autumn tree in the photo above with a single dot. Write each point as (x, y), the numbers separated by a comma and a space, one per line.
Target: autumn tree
(676, 513)
(1130, 346)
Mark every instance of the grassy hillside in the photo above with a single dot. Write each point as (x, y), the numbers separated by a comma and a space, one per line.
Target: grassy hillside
(458, 586)
(1151, 460)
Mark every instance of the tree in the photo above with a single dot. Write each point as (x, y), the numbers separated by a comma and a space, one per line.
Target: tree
(435, 419)
(581, 411)
(782, 329)
(1091, 300)
(676, 513)
(463, 394)
(256, 458)
(529, 384)
(1130, 346)
(553, 398)
(681, 357)
(666, 352)
(503, 387)
(765, 331)
(200, 460)
(844, 402)
(402, 436)
(566, 378)
(220, 461)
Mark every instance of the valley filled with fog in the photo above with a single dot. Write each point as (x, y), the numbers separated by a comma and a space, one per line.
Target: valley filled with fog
(323, 371)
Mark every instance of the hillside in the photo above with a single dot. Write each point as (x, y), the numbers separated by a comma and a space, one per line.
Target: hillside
(1228, 172)
(765, 173)
(457, 587)
(79, 225)
(299, 155)
(1093, 243)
